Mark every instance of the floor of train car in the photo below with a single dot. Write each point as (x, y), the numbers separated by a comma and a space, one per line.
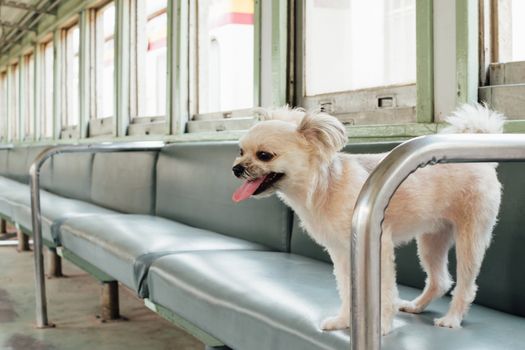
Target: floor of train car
(73, 303)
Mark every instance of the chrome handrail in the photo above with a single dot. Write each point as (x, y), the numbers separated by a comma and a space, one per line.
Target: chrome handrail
(373, 201)
(34, 173)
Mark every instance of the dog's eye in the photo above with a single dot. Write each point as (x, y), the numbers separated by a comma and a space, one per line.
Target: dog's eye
(264, 156)
(241, 152)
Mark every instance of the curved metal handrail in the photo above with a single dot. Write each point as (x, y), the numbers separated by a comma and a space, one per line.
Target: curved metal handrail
(34, 173)
(373, 201)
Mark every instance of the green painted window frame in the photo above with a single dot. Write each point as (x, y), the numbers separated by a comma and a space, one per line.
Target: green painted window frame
(239, 119)
(282, 18)
(421, 91)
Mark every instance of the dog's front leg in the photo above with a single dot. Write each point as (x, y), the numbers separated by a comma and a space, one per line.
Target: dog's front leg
(342, 275)
(389, 293)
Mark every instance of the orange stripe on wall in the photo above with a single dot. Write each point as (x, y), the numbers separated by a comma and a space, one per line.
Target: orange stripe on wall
(233, 18)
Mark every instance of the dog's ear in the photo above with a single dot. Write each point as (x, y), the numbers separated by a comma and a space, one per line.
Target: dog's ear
(325, 132)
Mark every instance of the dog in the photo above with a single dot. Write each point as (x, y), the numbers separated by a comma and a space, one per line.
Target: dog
(296, 155)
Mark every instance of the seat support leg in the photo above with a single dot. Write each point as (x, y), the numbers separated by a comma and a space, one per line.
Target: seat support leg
(54, 264)
(109, 301)
(3, 226)
(23, 241)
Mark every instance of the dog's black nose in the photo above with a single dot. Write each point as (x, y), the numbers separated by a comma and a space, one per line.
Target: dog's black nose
(238, 170)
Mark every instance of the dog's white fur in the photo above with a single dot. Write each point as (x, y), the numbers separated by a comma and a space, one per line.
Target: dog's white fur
(438, 206)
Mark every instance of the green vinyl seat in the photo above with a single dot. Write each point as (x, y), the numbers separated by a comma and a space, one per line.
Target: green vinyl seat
(54, 210)
(270, 300)
(9, 191)
(123, 246)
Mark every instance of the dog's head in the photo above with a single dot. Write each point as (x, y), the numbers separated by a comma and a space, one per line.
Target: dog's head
(279, 151)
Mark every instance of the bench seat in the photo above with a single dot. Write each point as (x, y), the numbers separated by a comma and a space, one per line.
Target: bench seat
(271, 300)
(10, 189)
(54, 210)
(123, 246)
(15, 203)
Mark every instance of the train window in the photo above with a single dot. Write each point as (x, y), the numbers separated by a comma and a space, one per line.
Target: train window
(47, 86)
(502, 56)
(224, 65)
(509, 36)
(28, 98)
(225, 48)
(350, 77)
(3, 106)
(152, 24)
(14, 107)
(105, 52)
(71, 67)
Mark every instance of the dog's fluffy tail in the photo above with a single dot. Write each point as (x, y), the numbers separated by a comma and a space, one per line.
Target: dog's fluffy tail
(474, 119)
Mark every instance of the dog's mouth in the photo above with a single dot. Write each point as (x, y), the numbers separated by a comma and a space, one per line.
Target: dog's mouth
(254, 187)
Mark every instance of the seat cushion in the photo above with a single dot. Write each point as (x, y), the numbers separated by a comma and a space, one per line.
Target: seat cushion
(54, 210)
(124, 246)
(195, 186)
(272, 300)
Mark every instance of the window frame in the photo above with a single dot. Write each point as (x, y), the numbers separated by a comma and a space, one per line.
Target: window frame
(501, 84)
(227, 120)
(13, 101)
(68, 131)
(389, 104)
(28, 100)
(4, 109)
(104, 126)
(137, 124)
(42, 118)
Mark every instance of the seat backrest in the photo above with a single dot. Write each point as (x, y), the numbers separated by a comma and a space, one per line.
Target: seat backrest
(301, 243)
(15, 163)
(195, 185)
(17, 168)
(501, 285)
(3, 162)
(70, 175)
(125, 181)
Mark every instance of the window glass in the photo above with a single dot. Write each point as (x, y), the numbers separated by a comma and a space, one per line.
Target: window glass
(151, 57)
(518, 30)
(3, 106)
(28, 98)
(105, 30)
(14, 102)
(379, 46)
(71, 116)
(226, 48)
(46, 123)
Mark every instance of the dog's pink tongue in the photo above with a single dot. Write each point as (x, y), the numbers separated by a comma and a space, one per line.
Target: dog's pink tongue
(247, 189)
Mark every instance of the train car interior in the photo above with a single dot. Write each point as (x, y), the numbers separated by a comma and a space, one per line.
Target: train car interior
(383, 142)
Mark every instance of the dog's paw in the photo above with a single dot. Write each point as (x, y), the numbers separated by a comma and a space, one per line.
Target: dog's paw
(448, 322)
(334, 323)
(409, 306)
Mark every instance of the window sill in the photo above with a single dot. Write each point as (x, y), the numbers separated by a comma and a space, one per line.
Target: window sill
(356, 134)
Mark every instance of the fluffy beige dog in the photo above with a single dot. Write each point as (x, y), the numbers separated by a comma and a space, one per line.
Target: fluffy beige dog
(296, 155)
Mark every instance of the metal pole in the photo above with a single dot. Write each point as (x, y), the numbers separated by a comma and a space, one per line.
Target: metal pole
(34, 173)
(373, 201)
